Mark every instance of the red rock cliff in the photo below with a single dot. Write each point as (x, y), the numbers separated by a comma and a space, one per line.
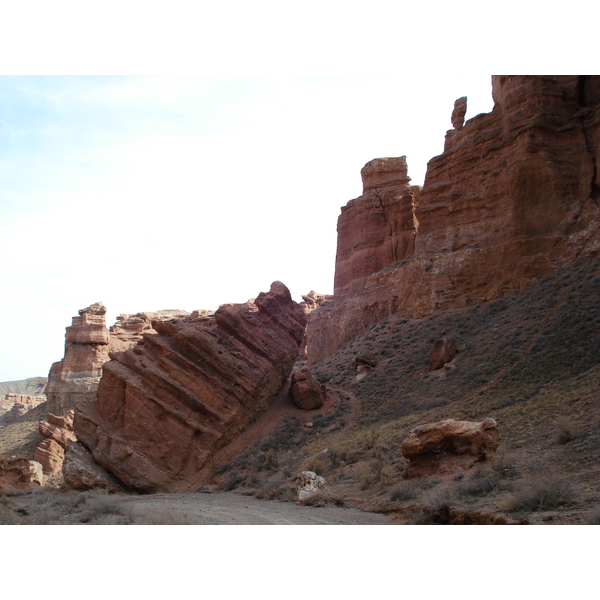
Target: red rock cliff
(167, 404)
(514, 197)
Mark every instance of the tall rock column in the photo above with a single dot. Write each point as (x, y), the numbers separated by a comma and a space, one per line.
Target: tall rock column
(75, 378)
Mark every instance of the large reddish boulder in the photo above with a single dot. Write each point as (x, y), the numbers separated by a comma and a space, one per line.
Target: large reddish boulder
(166, 405)
(442, 352)
(448, 446)
(306, 391)
(513, 198)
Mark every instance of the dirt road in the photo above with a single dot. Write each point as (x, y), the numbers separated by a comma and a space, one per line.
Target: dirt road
(226, 508)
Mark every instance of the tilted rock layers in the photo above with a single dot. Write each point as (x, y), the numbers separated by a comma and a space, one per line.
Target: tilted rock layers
(514, 197)
(167, 404)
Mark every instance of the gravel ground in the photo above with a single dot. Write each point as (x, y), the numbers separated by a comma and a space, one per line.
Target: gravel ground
(226, 508)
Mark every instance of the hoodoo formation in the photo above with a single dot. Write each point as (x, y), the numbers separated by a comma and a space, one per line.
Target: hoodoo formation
(167, 404)
(513, 198)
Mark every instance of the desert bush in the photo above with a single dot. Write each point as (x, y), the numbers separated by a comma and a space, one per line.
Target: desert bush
(317, 464)
(566, 431)
(438, 497)
(406, 490)
(479, 486)
(230, 482)
(540, 493)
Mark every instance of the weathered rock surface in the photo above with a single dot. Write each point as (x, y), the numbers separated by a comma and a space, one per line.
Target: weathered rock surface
(442, 352)
(57, 432)
(306, 391)
(166, 405)
(129, 329)
(75, 378)
(309, 485)
(81, 472)
(514, 197)
(448, 446)
(20, 473)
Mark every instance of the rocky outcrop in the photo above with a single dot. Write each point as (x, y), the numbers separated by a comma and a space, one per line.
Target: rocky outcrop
(514, 197)
(129, 329)
(14, 406)
(57, 432)
(20, 473)
(306, 391)
(75, 378)
(169, 403)
(448, 446)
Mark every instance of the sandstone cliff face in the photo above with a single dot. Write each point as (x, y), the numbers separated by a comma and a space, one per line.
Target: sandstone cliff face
(514, 197)
(75, 378)
(167, 404)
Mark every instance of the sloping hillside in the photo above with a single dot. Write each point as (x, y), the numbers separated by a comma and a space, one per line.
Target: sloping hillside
(531, 362)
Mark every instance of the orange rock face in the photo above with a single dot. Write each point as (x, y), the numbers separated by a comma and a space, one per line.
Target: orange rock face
(514, 197)
(448, 446)
(75, 378)
(167, 404)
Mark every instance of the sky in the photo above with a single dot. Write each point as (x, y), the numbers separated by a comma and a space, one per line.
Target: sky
(222, 164)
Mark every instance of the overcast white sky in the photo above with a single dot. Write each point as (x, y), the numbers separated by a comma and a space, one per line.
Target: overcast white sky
(204, 184)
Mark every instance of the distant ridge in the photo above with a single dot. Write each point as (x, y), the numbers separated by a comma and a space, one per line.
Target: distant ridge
(32, 386)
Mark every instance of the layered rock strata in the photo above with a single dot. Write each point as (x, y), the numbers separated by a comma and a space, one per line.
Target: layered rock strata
(448, 446)
(514, 197)
(129, 329)
(75, 378)
(56, 431)
(166, 405)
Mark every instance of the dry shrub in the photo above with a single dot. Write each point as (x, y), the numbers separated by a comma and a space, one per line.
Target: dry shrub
(543, 492)
(317, 464)
(439, 497)
(566, 431)
(481, 485)
(408, 489)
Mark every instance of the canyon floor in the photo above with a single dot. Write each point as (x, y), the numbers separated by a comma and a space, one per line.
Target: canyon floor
(68, 507)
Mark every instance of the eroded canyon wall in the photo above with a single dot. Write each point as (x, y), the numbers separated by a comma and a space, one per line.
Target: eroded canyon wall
(167, 404)
(514, 197)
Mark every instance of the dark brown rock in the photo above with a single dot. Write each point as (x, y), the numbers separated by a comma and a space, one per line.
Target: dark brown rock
(442, 352)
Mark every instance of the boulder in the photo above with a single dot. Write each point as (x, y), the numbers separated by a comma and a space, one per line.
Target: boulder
(442, 352)
(166, 405)
(57, 431)
(448, 446)
(307, 392)
(309, 485)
